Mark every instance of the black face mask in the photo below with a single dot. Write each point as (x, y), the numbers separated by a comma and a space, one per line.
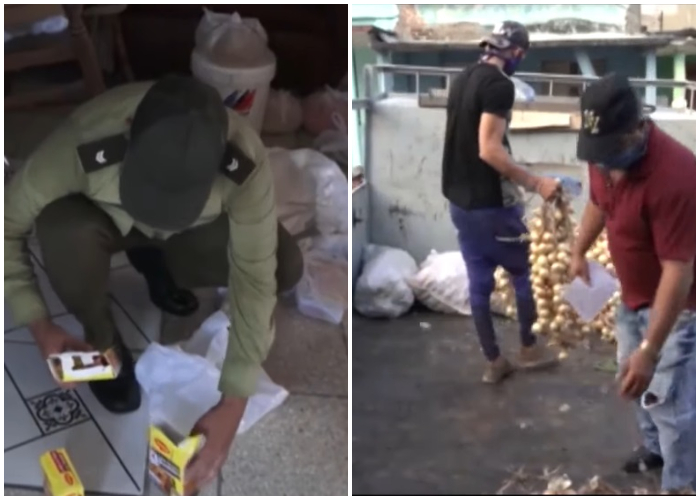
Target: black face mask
(510, 64)
(626, 159)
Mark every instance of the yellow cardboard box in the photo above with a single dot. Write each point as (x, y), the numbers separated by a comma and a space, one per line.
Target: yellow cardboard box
(84, 366)
(60, 478)
(168, 457)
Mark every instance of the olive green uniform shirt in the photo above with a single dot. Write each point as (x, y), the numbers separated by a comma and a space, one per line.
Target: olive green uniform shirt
(55, 171)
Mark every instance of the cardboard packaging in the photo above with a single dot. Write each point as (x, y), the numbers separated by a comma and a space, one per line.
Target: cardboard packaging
(84, 366)
(60, 477)
(168, 457)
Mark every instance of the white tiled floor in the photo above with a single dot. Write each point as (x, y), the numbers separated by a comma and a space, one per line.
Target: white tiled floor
(40, 416)
(130, 291)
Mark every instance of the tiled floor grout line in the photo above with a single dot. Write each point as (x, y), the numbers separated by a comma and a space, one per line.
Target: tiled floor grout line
(109, 443)
(30, 441)
(36, 259)
(26, 404)
(55, 316)
(87, 493)
(132, 320)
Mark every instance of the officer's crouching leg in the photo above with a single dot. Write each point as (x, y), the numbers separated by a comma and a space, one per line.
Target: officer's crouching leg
(76, 240)
(290, 262)
(198, 257)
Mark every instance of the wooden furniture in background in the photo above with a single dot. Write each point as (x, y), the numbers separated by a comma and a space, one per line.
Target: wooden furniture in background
(105, 20)
(43, 50)
(310, 41)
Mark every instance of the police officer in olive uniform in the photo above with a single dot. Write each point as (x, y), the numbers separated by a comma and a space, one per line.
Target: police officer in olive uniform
(166, 173)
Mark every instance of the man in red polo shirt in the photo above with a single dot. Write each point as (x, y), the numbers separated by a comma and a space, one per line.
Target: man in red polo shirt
(642, 190)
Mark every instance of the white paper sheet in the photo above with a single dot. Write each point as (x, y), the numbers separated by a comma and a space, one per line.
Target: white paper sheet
(586, 300)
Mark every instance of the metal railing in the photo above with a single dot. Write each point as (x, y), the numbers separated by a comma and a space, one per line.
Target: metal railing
(374, 72)
(377, 86)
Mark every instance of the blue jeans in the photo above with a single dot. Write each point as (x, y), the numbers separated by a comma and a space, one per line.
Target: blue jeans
(488, 238)
(666, 411)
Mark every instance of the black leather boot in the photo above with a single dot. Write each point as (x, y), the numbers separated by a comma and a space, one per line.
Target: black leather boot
(163, 291)
(123, 394)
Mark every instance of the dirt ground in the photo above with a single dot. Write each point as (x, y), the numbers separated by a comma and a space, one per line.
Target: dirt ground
(423, 423)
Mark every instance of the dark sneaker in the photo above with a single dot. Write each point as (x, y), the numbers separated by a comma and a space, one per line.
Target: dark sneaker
(173, 300)
(642, 460)
(497, 371)
(536, 357)
(123, 394)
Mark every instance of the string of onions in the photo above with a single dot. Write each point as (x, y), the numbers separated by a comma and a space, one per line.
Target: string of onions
(552, 230)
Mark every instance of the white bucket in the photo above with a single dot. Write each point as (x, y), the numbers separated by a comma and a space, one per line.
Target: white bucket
(244, 90)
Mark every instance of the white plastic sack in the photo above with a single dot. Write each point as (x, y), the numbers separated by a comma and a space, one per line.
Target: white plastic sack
(325, 110)
(322, 292)
(283, 114)
(295, 191)
(331, 188)
(229, 40)
(334, 142)
(333, 247)
(523, 91)
(382, 290)
(442, 284)
(181, 386)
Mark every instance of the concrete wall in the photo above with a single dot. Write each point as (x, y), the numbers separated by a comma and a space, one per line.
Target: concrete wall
(674, 16)
(360, 227)
(407, 206)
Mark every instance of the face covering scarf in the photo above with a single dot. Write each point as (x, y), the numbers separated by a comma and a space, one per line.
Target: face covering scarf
(510, 64)
(627, 158)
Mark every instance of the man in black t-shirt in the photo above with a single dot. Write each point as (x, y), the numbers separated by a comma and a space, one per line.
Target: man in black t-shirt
(483, 186)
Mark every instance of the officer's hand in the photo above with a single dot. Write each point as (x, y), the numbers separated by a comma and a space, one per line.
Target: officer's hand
(579, 268)
(52, 339)
(548, 188)
(218, 426)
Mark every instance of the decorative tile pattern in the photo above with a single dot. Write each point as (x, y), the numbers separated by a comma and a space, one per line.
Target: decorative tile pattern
(108, 450)
(57, 410)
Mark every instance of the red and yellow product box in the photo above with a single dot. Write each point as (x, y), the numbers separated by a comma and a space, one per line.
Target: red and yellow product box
(60, 477)
(168, 457)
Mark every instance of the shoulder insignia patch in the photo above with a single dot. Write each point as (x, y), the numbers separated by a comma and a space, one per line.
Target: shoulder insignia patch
(102, 153)
(236, 165)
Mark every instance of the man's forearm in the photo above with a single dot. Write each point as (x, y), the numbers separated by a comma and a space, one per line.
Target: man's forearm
(592, 224)
(670, 300)
(501, 161)
(39, 327)
(235, 405)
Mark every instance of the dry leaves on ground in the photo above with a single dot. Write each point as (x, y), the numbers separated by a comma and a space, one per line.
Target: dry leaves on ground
(557, 483)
